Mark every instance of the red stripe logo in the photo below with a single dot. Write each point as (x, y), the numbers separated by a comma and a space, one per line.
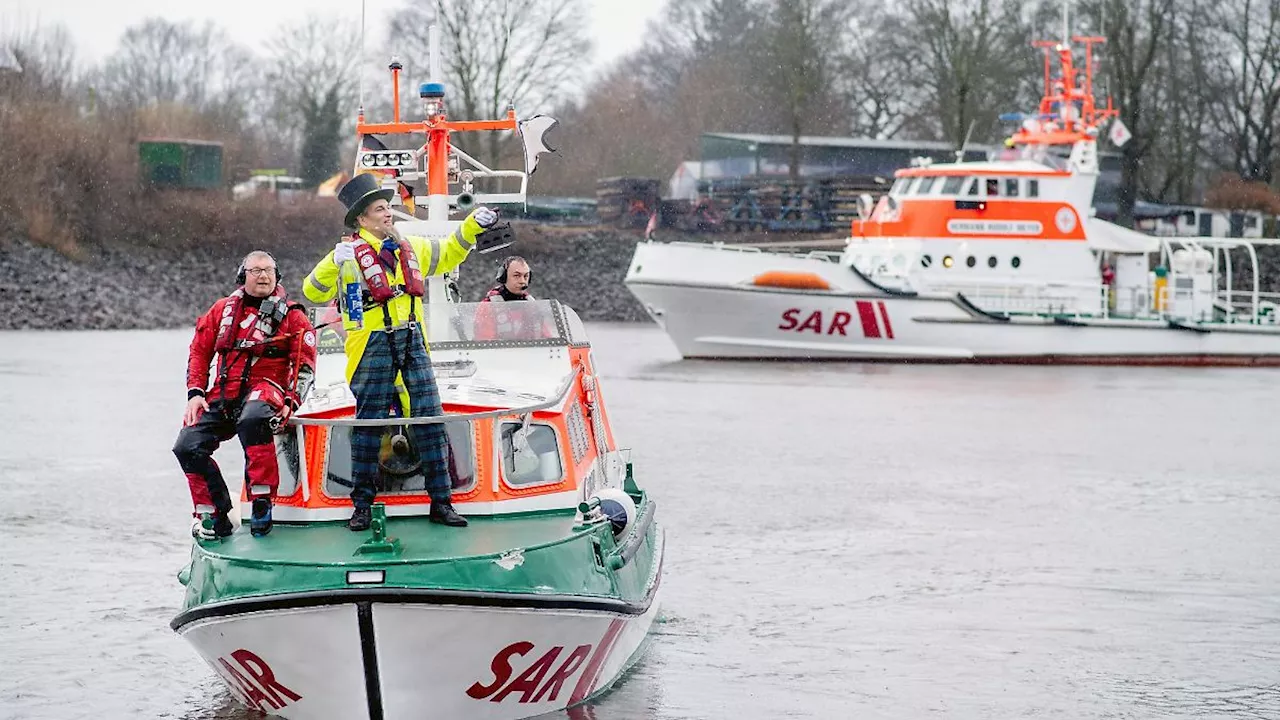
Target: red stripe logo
(867, 314)
(884, 315)
(587, 681)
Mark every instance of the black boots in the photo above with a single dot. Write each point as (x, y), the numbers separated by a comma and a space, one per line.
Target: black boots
(260, 520)
(443, 513)
(360, 519)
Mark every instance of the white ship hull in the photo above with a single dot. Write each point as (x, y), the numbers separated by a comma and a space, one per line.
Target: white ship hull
(398, 659)
(704, 299)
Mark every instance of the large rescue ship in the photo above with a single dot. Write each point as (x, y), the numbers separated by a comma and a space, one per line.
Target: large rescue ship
(996, 261)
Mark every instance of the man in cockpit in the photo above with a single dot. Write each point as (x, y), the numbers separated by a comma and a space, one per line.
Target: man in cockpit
(497, 320)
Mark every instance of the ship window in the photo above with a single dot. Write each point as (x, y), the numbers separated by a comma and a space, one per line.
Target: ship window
(1033, 188)
(951, 185)
(1250, 221)
(993, 187)
(530, 457)
(399, 469)
(926, 184)
(947, 261)
(899, 186)
(915, 185)
(971, 187)
(926, 260)
(1015, 262)
(991, 261)
(1011, 187)
(971, 261)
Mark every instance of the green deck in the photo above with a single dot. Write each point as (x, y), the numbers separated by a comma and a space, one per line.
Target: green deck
(556, 557)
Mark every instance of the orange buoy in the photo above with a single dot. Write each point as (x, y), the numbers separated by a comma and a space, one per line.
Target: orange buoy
(796, 280)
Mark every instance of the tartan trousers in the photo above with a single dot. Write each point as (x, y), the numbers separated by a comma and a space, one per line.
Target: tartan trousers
(373, 384)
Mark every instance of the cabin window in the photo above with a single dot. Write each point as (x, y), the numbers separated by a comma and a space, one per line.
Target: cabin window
(1015, 262)
(926, 185)
(399, 466)
(899, 186)
(951, 186)
(991, 261)
(1251, 221)
(971, 187)
(1033, 188)
(993, 187)
(289, 462)
(915, 186)
(971, 261)
(926, 260)
(1011, 187)
(530, 456)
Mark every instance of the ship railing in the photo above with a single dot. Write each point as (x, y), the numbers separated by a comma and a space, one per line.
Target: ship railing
(1055, 299)
(824, 255)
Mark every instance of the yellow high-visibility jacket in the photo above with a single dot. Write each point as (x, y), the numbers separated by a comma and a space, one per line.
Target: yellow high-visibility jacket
(435, 257)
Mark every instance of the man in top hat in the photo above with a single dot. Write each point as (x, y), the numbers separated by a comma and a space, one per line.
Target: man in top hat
(392, 345)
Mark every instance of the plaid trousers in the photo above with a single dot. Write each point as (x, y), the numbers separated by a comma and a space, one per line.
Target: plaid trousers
(373, 384)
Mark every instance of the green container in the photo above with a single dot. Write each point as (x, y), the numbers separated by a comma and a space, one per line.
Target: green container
(189, 164)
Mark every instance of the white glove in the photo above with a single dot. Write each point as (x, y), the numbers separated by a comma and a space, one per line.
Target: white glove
(343, 252)
(484, 216)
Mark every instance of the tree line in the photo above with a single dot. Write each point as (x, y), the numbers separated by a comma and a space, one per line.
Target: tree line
(1196, 82)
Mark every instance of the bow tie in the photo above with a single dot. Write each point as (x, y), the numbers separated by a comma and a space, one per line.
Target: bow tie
(387, 255)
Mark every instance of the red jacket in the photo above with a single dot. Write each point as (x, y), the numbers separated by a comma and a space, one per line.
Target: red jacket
(279, 359)
(499, 317)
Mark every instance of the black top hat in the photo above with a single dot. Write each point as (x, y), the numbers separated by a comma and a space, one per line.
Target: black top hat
(359, 192)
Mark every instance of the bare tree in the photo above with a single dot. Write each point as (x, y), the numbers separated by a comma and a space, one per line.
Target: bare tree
(876, 83)
(162, 62)
(496, 53)
(311, 91)
(1136, 31)
(806, 38)
(1181, 104)
(1245, 64)
(46, 56)
(970, 61)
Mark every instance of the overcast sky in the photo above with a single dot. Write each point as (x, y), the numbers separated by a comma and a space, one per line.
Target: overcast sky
(96, 25)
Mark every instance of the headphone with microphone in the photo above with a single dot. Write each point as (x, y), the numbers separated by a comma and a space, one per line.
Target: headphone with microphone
(501, 277)
(242, 273)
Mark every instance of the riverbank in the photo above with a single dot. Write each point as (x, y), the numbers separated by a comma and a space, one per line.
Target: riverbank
(110, 287)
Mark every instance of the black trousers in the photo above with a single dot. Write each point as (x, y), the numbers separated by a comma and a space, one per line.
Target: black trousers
(251, 421)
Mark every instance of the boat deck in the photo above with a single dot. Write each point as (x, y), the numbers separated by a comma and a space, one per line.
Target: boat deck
(421, 541)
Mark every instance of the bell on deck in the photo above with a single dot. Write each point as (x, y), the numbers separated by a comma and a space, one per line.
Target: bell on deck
(396, 455)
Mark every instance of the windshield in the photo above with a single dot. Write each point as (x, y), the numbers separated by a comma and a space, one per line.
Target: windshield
(474, 325)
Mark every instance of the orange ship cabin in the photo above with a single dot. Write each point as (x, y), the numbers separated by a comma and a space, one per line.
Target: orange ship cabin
(524, 417)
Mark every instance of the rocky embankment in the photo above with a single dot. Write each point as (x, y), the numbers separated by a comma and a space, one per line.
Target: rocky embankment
(110, 287)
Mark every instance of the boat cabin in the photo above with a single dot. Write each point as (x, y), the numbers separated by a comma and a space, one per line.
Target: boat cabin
(525, 420)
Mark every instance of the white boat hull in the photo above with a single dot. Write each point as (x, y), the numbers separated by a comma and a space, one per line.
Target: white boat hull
(402, 660)
(704, 300)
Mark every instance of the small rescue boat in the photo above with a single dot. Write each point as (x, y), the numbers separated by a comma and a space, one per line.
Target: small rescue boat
(997, 261)
(541, 604)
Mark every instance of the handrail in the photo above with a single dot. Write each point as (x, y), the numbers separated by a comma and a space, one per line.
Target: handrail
(561, 393)
(886, 290)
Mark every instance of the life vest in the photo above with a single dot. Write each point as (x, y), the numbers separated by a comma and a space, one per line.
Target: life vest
(375, 276)
(270, 313)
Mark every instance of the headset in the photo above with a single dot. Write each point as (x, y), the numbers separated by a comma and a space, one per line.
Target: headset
(501, 277)
(241, 272)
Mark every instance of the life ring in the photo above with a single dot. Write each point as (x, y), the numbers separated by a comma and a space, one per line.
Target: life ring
(793, 280)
